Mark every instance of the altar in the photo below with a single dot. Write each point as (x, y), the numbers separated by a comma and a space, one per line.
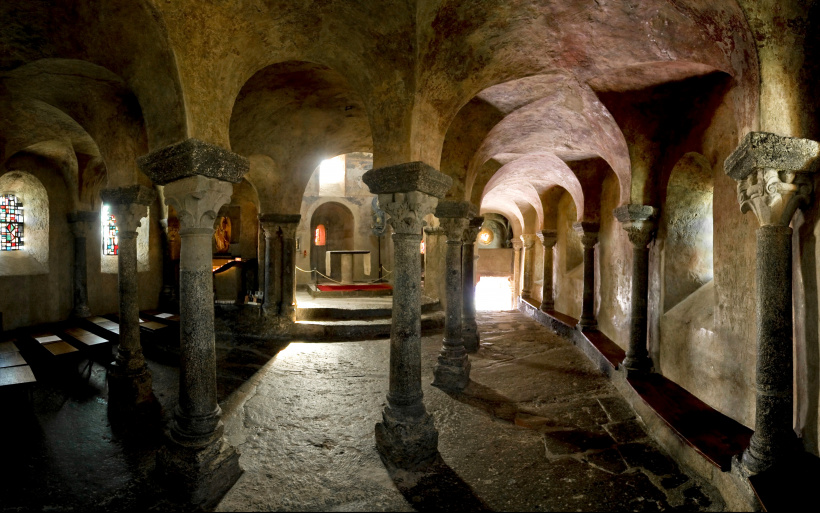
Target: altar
(340, 263)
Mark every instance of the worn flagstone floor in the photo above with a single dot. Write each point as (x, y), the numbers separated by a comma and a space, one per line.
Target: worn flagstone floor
(537, 429)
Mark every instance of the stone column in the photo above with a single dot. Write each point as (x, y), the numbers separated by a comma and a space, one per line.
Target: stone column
(589, 238)
(288, 226)
(79, 222)
(517, 246)
(548, 240)
(434, 263)
(129, 380)
(197, 462)
(168, 295)
(406, 438)
(639, 223)
(272, 298)
(469, 328)
(774, 179)
(452, 371)
(528, 240)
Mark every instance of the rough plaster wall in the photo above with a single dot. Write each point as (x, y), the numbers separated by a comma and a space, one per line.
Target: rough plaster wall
(35, 299)
(537, 270)
(33, 258)
(245, 197)
(568, 281)
(615, 257)
(495, 262)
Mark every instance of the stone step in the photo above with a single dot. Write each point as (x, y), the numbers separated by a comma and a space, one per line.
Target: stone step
(350, 313)
(329, 331)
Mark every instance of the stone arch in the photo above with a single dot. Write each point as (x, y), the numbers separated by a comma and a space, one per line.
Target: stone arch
(686, 231)
(33, 258)
(339, 224)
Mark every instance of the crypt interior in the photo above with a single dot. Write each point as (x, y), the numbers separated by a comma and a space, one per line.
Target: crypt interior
(409, 255)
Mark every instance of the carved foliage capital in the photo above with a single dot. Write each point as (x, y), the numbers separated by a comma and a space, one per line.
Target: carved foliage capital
(471, 232)
(548, 238)
(407, 210)
(528, 240)
(640, 232)
(128, 217)
(197, 199)
(517, 245)
(588, 233)
(454, 227)
(774, 195)
(81, 220)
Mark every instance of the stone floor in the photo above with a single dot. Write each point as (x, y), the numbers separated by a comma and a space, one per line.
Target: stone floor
(538, 429)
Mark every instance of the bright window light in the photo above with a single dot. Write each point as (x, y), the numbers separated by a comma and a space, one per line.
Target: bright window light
(493, 294)
(332, 176)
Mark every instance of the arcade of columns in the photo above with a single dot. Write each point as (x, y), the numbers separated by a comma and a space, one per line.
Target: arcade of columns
(774, 176)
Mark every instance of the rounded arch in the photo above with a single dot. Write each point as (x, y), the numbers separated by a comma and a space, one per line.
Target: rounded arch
(339, 228)
(32, 195)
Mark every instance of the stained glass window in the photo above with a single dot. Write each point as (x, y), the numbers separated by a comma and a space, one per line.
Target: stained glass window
(110, 240)
(11, 223)
(319, 239)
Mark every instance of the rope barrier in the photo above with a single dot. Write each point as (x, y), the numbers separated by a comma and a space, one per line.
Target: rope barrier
(340, 283)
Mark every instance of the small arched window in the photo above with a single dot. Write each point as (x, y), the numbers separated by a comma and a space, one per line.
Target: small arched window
(11, 223)
(110, 239)
(320, 237)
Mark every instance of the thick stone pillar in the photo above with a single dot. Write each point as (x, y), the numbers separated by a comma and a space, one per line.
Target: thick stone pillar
(197, 462)
(774, 179)
(548, 240)
(589, 238)
(79, 222)
(288, 226)
(469, 328)
(452, 371)
(168, 300)
(272, 298)
(639, 223)
(406, 438)
(516, 271)
(129, 380)
(528, 241)
(434, 264)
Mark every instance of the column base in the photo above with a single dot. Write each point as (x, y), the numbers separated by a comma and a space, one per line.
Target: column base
(452, 373)
(129, 389)
(471, 338)
(546, 307)
(753, 461)
(634, 367)
(405, 441)
(199, 477)
(587, 324)
(81, 312)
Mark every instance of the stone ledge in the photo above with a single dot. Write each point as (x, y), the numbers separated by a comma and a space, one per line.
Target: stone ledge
(193, 157)
(280, 218)
(763, 150)
(634, 212)
(409, 177)
(132, 194)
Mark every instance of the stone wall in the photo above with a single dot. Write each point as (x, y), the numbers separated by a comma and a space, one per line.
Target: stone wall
(568, 278)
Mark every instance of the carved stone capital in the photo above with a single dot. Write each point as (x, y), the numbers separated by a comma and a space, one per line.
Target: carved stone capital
(471, 232)
(454, 227)
(193, 157)
(528, 240)
(407, 210)
(774, 175)
(436, 231)
(517, 245)
(639, 222)
(588, 232)
(272, 223)
(548, 238)
(197, 199)
(408, 177)
(288, 230)
(80, 221)
(129, 205)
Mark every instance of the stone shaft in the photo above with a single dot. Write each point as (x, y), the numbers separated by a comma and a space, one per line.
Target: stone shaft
(517, 246)
(589, 238)
(548, 239)
(774, 435)
(528, 239)
(273, 250)
(79, 223)
(288, 308)
(469, 328)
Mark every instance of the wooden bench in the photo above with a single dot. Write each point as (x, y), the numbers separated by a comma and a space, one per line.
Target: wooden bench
(158, 316)
(15, 372)
(98, 347)
(55, 345)
(146, 326)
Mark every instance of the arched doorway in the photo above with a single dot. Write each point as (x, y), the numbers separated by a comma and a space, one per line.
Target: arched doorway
(332, 224)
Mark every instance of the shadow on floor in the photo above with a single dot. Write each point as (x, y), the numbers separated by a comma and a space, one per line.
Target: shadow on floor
(438, 488)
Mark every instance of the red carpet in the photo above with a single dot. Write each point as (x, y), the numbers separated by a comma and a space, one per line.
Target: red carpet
(345, 288)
